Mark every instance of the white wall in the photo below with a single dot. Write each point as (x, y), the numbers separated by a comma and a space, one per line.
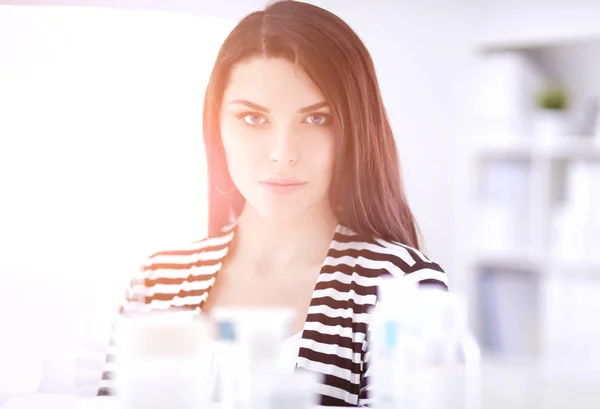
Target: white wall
(101, 162)
(536, 22)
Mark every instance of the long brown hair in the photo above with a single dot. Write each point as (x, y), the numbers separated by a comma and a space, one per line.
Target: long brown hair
(366, 190)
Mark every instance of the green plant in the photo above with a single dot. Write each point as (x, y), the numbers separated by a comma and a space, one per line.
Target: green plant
(552, 97)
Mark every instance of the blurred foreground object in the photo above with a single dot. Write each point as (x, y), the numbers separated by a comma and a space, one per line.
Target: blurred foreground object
(423, 353)
(251, 375)
(21, 352)
(163, 361)
(20, 365)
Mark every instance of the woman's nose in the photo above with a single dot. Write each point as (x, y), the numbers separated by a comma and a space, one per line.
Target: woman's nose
(283, 149)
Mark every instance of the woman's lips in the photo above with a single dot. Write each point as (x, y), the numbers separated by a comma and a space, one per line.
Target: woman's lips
(283, 187)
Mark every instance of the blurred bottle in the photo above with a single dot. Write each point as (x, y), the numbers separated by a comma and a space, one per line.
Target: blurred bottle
(163, 360)
(424, 356)
(251, 375)
(21, 353)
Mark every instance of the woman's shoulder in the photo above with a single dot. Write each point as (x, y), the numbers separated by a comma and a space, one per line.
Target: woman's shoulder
(182, 258)
(178, 276)
(395, 258)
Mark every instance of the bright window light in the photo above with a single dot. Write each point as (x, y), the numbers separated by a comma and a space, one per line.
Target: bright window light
(101, 154)
(101, 164)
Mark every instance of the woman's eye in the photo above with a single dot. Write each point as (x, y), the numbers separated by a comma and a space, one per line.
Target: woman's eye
(317, 119)
(254, 119)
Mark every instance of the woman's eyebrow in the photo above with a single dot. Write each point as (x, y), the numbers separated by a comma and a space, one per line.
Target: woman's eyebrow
(266, 110)
(250, 105)
(312, 107)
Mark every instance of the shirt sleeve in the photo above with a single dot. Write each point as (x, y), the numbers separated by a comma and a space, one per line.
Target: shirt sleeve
(365, 395)
(133, 302)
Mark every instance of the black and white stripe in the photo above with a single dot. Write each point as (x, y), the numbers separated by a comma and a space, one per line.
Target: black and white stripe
(335, 338)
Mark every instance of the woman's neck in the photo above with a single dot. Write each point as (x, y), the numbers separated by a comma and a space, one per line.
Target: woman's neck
(274, 245)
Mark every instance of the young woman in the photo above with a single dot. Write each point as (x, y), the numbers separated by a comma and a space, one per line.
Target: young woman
(307, 208)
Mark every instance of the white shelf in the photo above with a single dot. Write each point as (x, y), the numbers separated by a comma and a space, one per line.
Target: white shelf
(535, 263)
(572, 147)
(509, 148)
(521, 383)
(508, 41)
(516, 260)
(578, 266)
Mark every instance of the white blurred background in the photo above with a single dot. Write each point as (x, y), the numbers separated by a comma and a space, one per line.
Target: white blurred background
(101, 161)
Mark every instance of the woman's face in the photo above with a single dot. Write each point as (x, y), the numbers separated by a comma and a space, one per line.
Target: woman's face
(278, 138)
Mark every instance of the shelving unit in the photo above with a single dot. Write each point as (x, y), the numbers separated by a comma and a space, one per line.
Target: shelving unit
(536, 167)
(525, 260)
(573, 147)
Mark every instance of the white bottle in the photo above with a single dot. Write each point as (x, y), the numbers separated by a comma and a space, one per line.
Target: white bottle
(390, 351)
(232, 363)
(452, 359)
(162, 361)
(423, 356)
(251, 376)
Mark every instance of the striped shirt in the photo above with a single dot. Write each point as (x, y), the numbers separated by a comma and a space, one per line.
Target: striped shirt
(334, 341)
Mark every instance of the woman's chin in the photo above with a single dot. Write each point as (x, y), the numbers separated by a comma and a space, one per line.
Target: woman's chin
(278, 212)
(289, 210)
(281, 214)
